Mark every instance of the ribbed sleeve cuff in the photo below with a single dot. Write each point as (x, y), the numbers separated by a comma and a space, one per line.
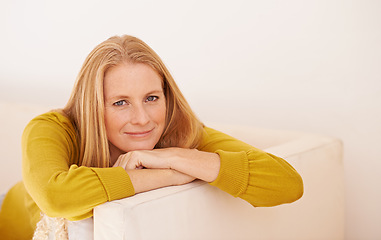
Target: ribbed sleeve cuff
(116, 182)
(234, 172)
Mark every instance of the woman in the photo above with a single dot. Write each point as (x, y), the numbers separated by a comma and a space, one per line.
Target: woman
(128, 129)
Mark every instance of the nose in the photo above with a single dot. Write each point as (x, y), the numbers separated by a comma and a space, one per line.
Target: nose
(139, 115)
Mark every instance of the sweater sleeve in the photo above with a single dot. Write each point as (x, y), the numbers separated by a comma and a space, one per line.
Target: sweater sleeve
(260, 178)
(53, 178)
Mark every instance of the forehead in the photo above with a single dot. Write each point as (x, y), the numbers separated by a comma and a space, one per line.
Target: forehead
(130, 79)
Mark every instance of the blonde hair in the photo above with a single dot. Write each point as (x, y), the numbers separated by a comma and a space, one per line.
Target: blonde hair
(85, 107)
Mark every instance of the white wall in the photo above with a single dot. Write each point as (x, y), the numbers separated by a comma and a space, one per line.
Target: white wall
(301, 65)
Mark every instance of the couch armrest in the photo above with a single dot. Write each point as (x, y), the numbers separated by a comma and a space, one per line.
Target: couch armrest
(200, 211)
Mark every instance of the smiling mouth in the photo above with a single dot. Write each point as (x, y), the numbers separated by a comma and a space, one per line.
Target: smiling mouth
(139, 134)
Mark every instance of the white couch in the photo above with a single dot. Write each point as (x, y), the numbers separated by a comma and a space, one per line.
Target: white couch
(200, 211)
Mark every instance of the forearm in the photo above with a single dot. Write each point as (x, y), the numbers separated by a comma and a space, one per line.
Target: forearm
(199, 164)
(148, 179)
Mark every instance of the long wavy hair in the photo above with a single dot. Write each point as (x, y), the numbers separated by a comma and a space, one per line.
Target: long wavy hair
(85, 107)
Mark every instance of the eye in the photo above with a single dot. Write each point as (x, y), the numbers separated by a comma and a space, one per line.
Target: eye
(151, 98)
(119, 103)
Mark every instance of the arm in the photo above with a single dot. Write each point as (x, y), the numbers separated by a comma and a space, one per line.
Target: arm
(62, 188)
(258, 177)
(52, 175)
(243, 171)
(148, 179)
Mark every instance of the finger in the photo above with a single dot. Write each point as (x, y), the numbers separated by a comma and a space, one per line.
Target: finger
(132, 160)
(117, 162)
(125, 160)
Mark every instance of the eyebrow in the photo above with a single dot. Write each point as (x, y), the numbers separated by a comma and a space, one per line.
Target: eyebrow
(125, 96)
(155, 91)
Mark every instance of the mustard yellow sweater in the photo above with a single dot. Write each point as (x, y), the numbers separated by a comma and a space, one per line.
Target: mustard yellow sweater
(53, 181)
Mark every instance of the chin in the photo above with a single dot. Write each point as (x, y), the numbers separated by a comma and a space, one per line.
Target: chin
(140, 147)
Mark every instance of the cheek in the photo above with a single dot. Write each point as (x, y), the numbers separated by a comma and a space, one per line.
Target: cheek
(112, 122)
(158, 115)
(161, 115)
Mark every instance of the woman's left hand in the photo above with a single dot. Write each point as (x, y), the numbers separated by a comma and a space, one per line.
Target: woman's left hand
(202, 165)
(158, 158)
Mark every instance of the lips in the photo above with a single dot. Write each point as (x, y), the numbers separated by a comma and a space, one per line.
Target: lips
(139, 133)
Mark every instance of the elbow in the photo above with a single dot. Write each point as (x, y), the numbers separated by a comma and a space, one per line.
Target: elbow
(48, 199)
(287, 190)
(52, 205)
(58, 202)
(294, 189)
(290, 189)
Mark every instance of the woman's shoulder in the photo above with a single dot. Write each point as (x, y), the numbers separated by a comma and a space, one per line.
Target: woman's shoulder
(214, 139)
(212, 133)
(55, 119)
(53, 116)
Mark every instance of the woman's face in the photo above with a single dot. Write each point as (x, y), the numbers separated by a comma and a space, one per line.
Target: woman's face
(135, 107)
